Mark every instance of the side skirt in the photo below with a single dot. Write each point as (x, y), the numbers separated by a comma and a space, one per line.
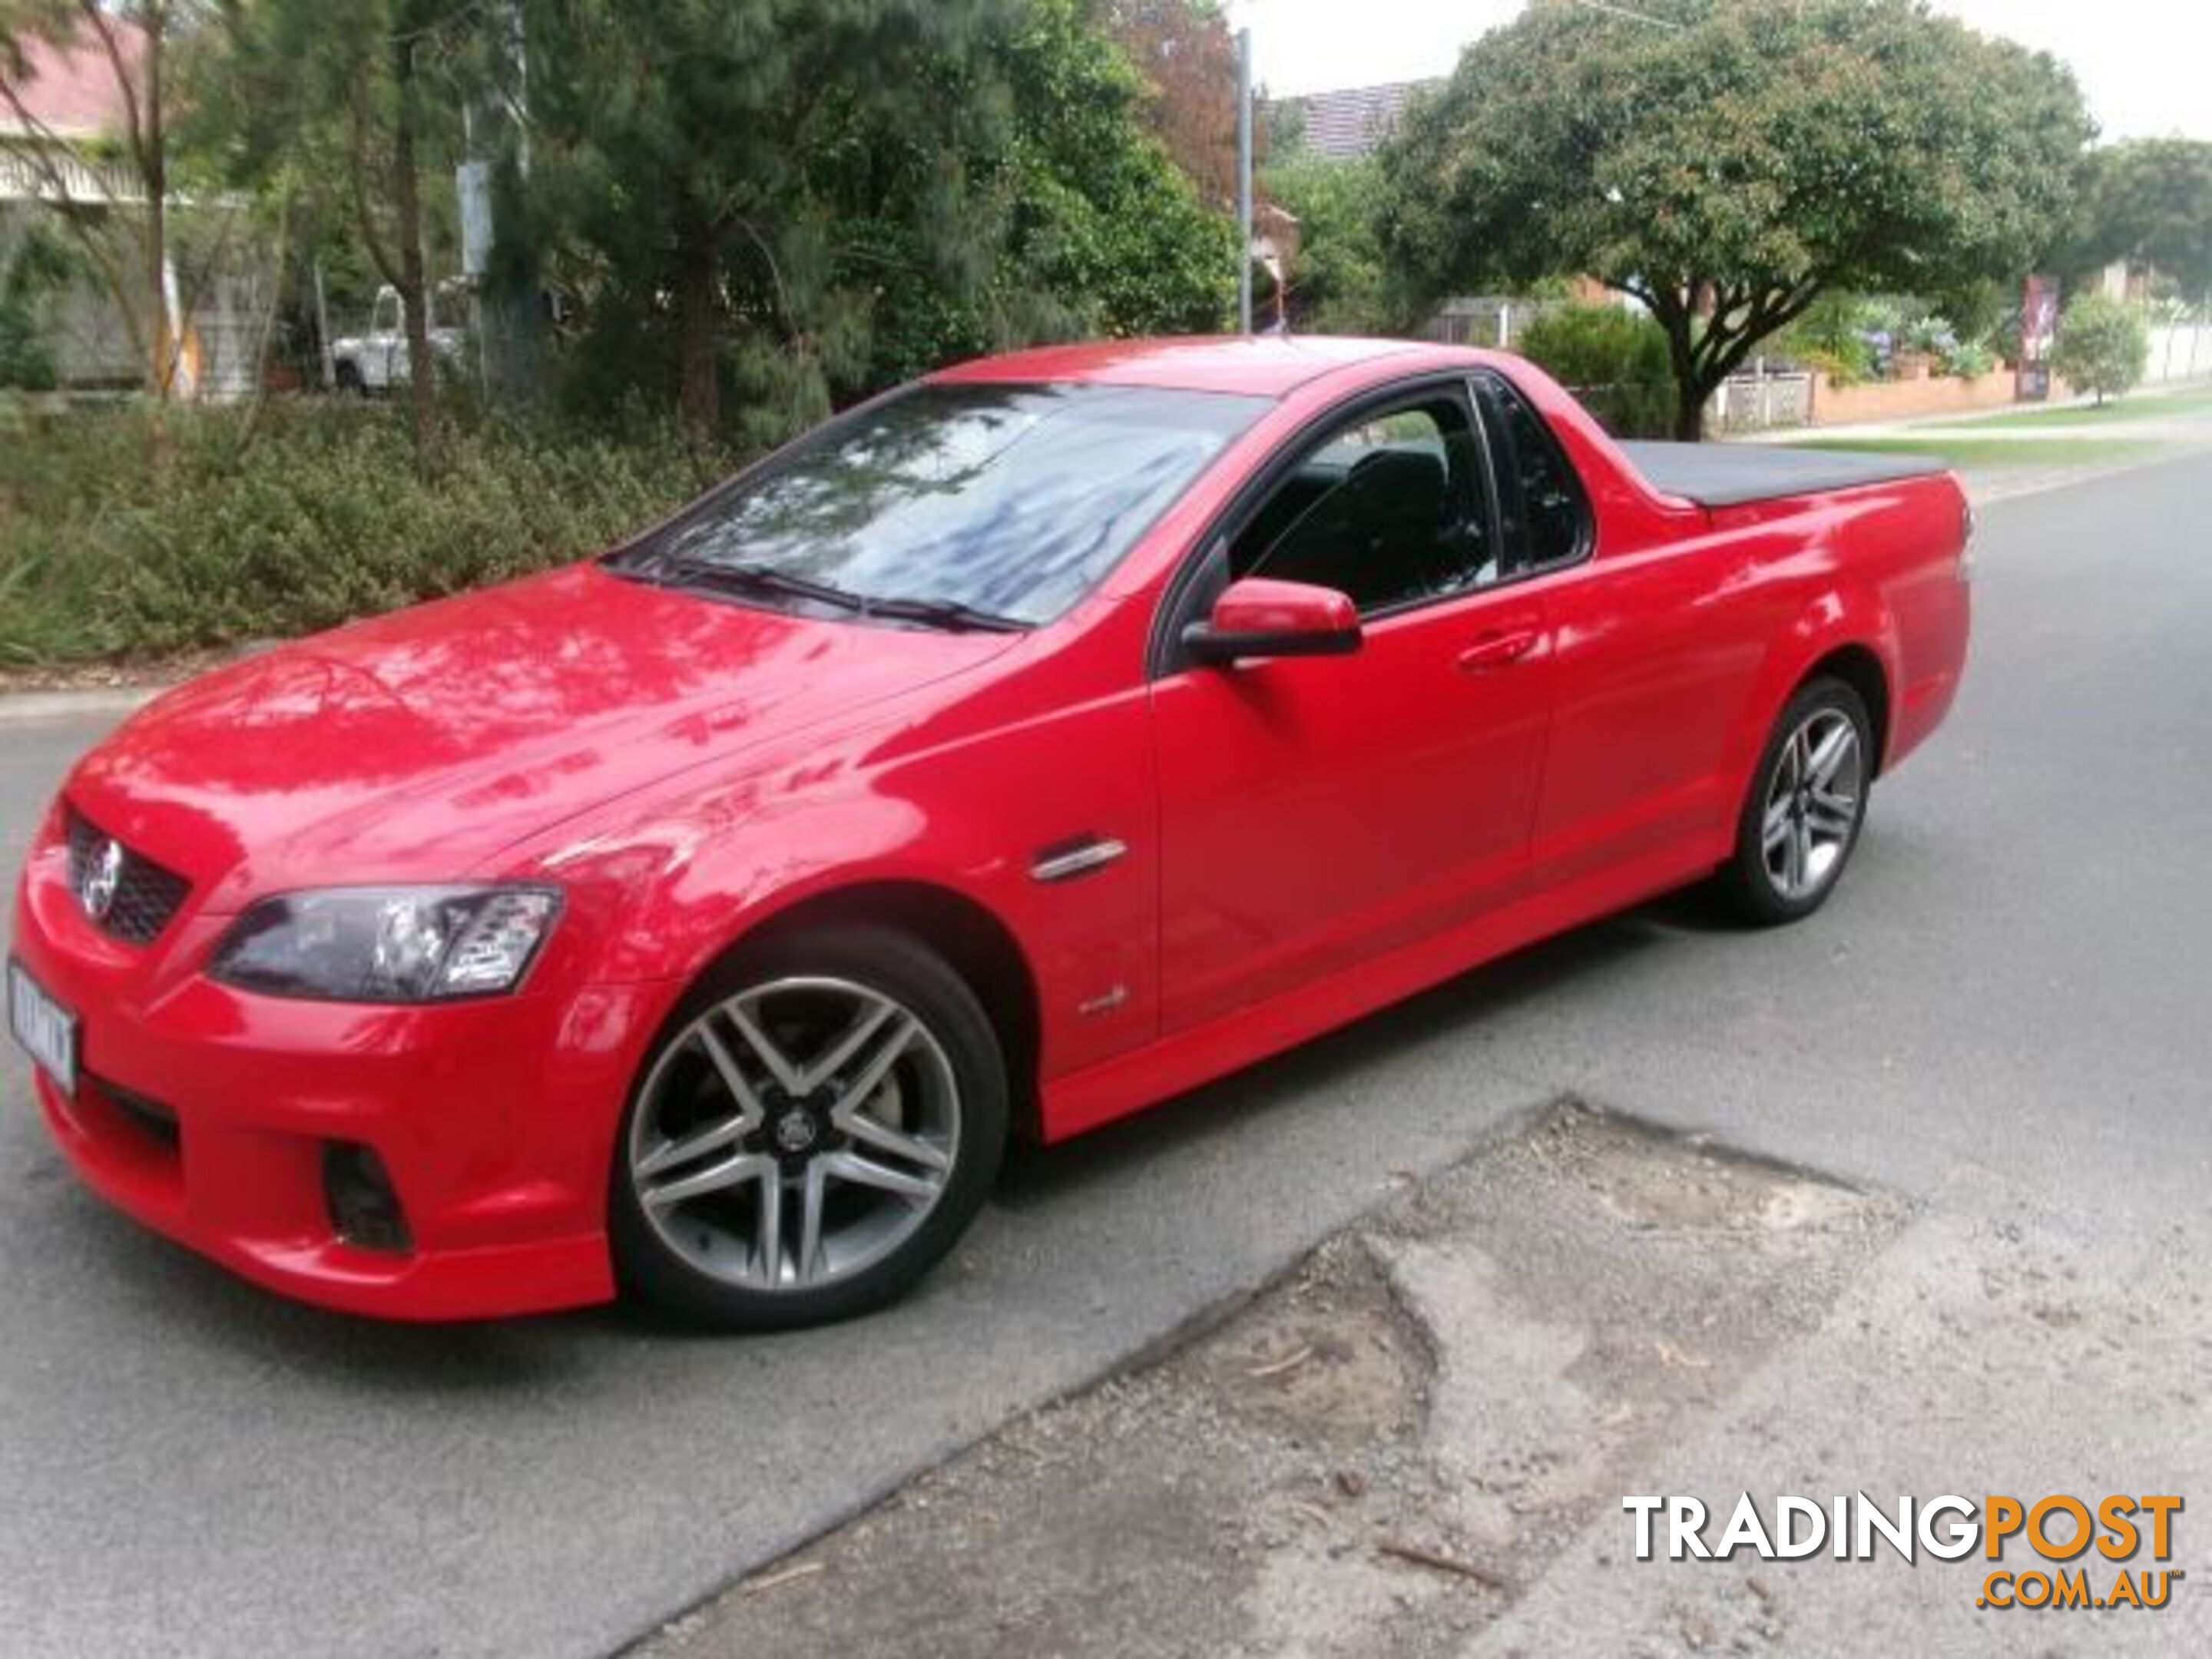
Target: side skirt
(1130, 1082)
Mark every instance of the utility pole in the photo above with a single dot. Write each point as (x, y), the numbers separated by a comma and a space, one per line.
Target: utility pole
(1245, 180)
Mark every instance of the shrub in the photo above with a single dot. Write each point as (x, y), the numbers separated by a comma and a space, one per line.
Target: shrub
(1969, 360)
(2103, 346)
(106, 551)
(1615, 360)
(25, 362)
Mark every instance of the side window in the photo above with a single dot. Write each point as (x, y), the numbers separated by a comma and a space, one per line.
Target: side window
(1540, 501)
(1391, 508)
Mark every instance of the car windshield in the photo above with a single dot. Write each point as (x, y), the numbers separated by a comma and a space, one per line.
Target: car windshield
(981, 503)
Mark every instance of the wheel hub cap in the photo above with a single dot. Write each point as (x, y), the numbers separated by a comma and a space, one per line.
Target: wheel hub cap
(796, 1131)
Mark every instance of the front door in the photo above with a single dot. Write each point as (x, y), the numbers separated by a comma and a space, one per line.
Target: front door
(1317, 812)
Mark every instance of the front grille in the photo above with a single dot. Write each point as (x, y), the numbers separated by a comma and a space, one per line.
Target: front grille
(146, 895)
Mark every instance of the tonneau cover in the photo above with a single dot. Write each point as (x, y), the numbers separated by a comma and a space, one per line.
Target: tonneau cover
(1728, 475)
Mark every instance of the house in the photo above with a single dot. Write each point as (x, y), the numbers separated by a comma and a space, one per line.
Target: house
(61, 119)
(1350, 122)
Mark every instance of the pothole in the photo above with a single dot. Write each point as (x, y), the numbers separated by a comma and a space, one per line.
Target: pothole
(1379, 1455)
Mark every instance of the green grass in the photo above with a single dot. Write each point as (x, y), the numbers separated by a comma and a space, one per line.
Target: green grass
(2140, 406)
(1996, 451)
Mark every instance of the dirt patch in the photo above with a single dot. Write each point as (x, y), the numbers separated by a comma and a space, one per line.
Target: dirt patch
(1380, 1455)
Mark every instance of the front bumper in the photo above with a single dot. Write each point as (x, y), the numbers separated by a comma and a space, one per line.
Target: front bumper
(206, 1113)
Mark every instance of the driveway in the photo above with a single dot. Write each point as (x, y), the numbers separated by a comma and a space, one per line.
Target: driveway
(2003, 1002)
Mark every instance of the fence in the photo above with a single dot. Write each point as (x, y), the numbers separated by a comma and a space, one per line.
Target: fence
(1760, 401)
(2178, 351)
(1494, 321)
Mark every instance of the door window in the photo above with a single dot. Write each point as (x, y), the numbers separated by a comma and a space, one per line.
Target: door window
(1392, 508)
(1540, 501)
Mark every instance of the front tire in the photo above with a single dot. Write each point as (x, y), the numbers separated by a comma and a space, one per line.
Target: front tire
(1801, 817)
(819, 1123)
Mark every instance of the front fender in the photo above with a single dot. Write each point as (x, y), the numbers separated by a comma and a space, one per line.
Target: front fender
(668, 893)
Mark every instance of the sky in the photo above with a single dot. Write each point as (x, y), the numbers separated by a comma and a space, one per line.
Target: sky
(2144, 65)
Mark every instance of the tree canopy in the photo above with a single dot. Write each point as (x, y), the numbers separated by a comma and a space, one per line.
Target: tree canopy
(2149, 202)
(1726, 162)
(1187, 56)
(800, 204)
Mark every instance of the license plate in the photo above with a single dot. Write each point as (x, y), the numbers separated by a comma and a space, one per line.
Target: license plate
(45, 1029)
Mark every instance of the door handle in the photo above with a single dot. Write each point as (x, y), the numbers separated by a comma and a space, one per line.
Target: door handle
(1500, 648)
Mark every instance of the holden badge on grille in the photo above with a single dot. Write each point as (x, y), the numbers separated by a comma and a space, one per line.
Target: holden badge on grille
(103, 875)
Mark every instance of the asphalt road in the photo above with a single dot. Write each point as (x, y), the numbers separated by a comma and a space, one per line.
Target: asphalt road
(2008, 993)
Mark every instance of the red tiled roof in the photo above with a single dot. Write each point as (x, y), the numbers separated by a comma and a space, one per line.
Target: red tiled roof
(71, 90)
(1351, 121)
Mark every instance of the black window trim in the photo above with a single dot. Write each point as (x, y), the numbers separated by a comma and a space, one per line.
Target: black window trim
(1199, 577)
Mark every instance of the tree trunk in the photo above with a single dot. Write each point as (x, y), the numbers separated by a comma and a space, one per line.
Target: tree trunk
(154, 166)
(413, 284)
(698, 325)
(1674, 315)
(1690, 411)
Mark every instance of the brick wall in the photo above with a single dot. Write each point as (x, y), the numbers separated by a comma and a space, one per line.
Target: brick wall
(1899, 400)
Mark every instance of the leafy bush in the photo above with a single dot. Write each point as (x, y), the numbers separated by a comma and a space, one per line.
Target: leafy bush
(1970, 360)
(1614, 359)
(113, 547)
(2103, 345)
(26, 364)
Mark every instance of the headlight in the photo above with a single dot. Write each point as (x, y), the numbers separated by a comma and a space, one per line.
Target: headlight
(388, 943)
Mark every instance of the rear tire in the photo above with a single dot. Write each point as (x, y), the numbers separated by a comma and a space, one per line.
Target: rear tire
(820, 1122)
(1801, 816)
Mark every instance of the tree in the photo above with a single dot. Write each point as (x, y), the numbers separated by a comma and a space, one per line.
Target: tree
(1727, 162)
(696, 166)
(2148, 201)
(796, 205)
(2103, 346)
(1106, 234)
(1337, 281)
(1187, 53)
(93, 190)
(357, 104)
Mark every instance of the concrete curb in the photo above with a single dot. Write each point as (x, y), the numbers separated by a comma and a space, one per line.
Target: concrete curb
(29, 707)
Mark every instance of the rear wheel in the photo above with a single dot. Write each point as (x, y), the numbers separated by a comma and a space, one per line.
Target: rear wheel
(1801, 817)
(821, 1121)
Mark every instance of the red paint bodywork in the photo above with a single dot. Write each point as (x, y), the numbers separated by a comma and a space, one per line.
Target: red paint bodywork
(1308, 838)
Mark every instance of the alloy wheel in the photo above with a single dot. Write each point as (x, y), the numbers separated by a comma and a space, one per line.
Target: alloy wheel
(1813, 799)
(794, 1134)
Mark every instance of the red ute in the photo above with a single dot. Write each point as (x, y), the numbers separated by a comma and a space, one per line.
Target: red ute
(1015, 750)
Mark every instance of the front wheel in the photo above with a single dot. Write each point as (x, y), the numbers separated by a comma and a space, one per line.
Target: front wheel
(1808, 800)
(818, 1125)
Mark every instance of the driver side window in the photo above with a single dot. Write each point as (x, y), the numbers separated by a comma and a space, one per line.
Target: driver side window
(1392, 508)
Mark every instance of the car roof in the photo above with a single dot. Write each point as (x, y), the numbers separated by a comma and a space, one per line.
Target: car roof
(1266, 365)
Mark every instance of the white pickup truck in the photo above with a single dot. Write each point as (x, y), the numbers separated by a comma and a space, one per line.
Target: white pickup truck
(377, 360)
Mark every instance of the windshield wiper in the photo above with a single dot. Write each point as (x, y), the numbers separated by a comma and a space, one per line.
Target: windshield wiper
(755, 579)
(766, 579)
(945, 613)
